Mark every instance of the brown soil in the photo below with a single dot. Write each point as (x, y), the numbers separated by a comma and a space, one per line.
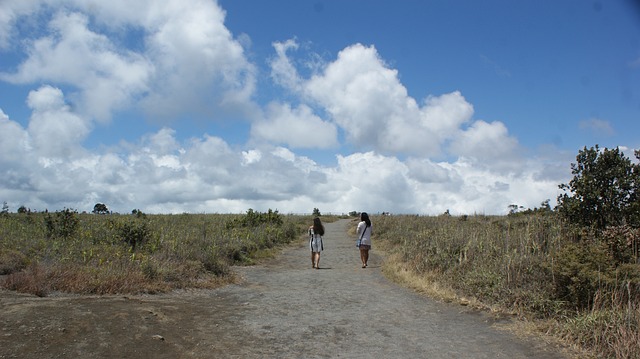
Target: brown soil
(281, 309)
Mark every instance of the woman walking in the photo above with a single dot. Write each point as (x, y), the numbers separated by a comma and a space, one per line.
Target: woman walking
(315, 242)
(364, 233)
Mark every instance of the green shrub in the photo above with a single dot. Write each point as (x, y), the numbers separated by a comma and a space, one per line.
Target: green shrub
(253, 219)
(134, 233)
(578, 270)
(63, 224)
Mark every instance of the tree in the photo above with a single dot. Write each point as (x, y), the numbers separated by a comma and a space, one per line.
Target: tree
(514, 208)
(138, 213)
(316, 212)
(100, 208)
(603, 191)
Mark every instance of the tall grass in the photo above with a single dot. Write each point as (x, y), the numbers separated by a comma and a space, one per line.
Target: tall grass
(100, 254)
(533, 265)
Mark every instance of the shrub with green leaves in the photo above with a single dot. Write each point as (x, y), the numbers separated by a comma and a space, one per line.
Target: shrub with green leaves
(134, 233)
(63, 224)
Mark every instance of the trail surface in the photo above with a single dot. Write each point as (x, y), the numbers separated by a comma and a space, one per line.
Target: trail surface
(282, 309)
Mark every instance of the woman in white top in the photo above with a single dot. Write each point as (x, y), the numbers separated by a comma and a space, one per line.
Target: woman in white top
(364, 233)
(315, 242)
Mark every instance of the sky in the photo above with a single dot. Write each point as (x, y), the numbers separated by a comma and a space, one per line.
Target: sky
(408, 107)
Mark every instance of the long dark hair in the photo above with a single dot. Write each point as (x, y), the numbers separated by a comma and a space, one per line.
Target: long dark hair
(318, 228)
(365, 217)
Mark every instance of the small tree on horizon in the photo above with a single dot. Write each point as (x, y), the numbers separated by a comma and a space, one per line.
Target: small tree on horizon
(100, 208)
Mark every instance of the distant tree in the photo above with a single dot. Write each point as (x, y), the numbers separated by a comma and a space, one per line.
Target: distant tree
(545, 206)
(138, 213)
(100, 208)
(23, 209)
(604, 190)
(316, 212)
(514, 208)
(5, 208)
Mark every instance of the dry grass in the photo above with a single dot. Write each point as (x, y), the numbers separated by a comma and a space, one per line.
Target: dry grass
(115, 254)
(526, 267)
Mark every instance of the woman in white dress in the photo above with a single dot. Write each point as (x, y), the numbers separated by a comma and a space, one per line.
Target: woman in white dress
(364, 233)
(315, 242)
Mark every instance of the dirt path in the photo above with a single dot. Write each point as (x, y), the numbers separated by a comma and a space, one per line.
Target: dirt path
(283, 309)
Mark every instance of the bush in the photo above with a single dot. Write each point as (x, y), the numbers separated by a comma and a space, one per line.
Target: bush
(254, 219)
(578, 270)
(134, 233)
(12, 261)
(63, 224)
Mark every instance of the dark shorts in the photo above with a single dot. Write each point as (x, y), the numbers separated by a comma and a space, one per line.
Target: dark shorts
(365, 246)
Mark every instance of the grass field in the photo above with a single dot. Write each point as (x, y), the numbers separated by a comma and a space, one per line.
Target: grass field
(534, 266)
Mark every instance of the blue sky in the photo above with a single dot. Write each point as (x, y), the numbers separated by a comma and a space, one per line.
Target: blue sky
(402, 106)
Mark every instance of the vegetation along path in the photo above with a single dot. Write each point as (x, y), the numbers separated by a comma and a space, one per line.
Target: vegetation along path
(281, 309)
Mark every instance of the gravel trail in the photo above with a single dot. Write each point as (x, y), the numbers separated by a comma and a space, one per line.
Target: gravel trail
(342, 310)
(281, 309)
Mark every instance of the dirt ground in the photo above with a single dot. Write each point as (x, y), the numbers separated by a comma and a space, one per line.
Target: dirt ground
(281, 309)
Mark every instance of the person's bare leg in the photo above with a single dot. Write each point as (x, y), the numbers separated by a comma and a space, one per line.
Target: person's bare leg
(366, 257)
(362, 251)
(317, 260)
(313, 263)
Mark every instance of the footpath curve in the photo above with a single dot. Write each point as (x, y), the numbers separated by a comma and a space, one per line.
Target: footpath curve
(281, 309)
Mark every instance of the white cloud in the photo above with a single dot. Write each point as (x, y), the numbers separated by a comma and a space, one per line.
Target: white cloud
(198, 63)
(297, 128)
(14, 141)
(252, 156)
(443, 115)
(187, 60)
(488, 144)
(366, 99)
(283, 72)
(72, 54)
(183, 60)
(10, 11)
(597, 126)
(162, 174)
(55, 131)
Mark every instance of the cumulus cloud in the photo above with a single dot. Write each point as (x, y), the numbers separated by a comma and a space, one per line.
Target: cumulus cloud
(366, 99)
(488, 144)
(198, 63)
(55, 131)
(14, 142)
(96, 59)
(297, 127)
(72, 54)
(187, 60)
(204, 174)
